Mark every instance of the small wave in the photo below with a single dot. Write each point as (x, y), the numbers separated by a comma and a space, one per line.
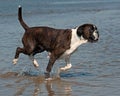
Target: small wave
(76, 74)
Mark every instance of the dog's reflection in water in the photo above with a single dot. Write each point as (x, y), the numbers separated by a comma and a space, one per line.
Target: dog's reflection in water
(43, 87)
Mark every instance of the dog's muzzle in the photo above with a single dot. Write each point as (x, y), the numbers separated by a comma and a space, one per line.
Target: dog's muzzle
(94, 37)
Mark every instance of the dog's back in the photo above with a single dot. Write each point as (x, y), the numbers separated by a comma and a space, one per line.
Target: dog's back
(47, 38)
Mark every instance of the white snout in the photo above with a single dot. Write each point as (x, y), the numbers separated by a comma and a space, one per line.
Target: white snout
(95, 35)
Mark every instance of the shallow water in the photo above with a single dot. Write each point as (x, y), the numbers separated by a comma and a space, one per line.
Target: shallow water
(96, 67)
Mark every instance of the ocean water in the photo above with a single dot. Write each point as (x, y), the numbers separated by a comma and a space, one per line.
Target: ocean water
(96, 66)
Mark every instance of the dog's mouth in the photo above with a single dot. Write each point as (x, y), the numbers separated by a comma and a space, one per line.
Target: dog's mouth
(92, 41)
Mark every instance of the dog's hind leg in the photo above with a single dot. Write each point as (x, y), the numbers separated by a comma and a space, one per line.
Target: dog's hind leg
(18, 51)
(38, 49)
(35, 63)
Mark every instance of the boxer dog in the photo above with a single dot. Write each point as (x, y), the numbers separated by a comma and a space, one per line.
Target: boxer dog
(60, 43)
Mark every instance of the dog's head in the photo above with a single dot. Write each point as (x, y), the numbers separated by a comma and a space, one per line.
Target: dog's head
(88, 32)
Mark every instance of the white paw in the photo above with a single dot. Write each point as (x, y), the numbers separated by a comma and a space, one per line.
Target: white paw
(49, 54)
(35, 63)
(15, 61)
(66, 67)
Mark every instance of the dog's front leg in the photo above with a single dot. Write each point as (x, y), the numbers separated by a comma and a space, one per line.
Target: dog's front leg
(50, 65)
(68, 64)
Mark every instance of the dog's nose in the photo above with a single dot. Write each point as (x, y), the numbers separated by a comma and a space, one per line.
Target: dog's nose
(96, 39)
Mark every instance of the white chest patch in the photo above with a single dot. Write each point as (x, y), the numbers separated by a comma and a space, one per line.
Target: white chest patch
(75, 43)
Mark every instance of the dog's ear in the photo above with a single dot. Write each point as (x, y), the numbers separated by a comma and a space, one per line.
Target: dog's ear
(80, 31)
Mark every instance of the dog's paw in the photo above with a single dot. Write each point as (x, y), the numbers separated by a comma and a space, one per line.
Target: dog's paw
(47, 75)
(14, 61)
(35, 63)
(66, 67)
(49, 54)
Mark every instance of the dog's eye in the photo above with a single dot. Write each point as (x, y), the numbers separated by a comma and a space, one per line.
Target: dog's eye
(91, 29)
(95, 28)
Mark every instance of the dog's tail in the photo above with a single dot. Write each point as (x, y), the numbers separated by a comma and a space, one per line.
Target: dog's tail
(24, 25)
